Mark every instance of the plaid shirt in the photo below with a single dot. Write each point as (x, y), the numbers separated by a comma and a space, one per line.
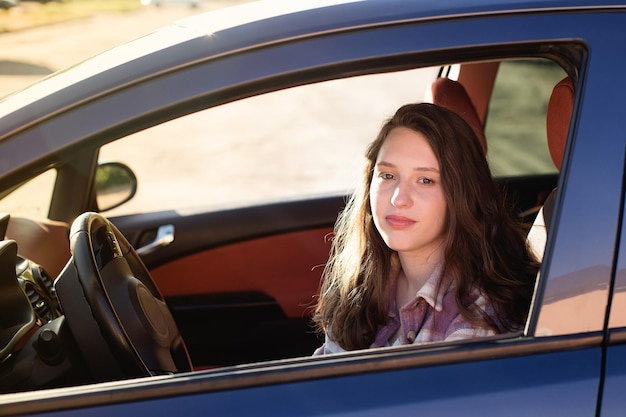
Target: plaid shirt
(430, 316)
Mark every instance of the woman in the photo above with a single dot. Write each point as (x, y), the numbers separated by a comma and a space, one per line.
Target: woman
(426, 249)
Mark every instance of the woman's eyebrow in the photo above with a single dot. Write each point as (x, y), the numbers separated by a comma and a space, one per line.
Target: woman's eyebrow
(429, 169)
(390, 165)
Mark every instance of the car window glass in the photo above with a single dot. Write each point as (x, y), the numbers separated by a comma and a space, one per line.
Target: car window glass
(231, 156)
(618, 306)
(32, 199)
(515, 125)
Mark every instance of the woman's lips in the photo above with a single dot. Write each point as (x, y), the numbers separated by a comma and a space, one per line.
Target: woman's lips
(399, 222)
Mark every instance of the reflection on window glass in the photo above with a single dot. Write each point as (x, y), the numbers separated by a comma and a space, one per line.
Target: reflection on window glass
(516, 120)
(32, 199)
(618, 307)
(233, 155)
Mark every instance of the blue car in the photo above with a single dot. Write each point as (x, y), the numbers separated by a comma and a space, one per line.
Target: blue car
(166, 210)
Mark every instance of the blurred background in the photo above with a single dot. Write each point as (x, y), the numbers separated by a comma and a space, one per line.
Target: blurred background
(39, 37)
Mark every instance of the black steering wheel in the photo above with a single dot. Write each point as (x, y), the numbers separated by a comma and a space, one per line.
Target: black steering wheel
(118, 317)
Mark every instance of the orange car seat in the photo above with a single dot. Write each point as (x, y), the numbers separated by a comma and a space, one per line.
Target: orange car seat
(558, 119)
(452, 95)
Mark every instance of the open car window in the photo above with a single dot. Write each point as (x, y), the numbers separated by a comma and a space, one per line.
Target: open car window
(227, 157)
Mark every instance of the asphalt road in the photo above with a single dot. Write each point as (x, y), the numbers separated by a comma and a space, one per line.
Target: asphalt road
(27, 56)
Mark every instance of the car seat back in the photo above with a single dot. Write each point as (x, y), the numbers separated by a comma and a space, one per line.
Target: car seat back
(558, 119)
(45, 242)
(452, 95)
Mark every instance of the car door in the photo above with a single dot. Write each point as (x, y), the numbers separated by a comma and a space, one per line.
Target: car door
(553, 367)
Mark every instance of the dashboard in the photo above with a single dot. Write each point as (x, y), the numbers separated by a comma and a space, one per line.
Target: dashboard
(38, 287)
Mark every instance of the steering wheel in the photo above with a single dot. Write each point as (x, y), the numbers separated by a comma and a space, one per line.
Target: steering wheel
(118, 317)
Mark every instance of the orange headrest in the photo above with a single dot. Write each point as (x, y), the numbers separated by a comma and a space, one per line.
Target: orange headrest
(452, 95)
(558, 118)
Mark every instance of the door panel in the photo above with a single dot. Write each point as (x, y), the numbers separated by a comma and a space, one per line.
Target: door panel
(613, 402)
(286, 267)
(551, 384)
(240, 327)
(248, 301)
(214, 228)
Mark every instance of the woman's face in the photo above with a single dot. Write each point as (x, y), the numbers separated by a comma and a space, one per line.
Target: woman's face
(406, 195)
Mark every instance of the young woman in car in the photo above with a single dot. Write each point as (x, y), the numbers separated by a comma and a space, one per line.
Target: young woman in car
(426, 249)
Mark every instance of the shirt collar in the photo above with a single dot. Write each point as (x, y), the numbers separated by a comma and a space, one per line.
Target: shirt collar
(429, 291)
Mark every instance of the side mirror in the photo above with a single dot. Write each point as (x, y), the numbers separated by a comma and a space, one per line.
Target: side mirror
(115, 185)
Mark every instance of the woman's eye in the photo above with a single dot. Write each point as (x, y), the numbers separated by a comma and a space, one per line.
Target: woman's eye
(426, 181)
(386, 176)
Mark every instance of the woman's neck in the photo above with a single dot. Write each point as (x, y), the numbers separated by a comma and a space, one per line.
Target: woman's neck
(416, 271)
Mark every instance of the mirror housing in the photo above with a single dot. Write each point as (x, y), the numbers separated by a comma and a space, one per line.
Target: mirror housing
(116, 184)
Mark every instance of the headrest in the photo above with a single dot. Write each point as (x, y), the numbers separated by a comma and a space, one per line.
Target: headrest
(452, 95)
(558, 118)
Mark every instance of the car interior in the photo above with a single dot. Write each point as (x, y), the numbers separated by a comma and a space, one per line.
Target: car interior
(245, 291)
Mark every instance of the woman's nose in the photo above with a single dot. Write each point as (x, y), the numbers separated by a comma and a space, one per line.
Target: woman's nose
(401, 197)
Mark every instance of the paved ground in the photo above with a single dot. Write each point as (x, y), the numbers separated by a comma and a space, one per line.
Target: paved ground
(29, 55)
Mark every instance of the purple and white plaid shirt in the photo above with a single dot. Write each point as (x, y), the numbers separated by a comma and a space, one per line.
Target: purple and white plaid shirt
(430, 316)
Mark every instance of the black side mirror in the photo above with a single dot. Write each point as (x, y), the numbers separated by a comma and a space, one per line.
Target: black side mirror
(115, 185)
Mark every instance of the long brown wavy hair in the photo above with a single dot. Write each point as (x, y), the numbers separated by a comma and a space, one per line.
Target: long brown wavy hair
(484, 245)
